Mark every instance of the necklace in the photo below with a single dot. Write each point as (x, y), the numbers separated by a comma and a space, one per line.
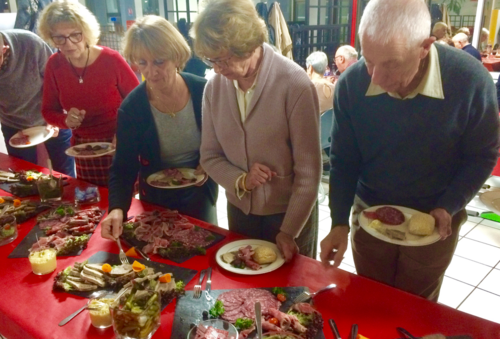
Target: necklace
(171, 112)
(80, 77)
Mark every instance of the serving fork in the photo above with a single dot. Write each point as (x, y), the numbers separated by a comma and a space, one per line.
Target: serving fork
(306, 295)
(197, 287)
(123, 256)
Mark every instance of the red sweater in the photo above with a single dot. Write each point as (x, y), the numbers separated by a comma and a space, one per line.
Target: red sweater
(107, 81)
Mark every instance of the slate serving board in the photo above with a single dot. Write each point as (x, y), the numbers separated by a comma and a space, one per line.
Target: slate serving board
(140, 244)
(179, 273)
(6, 186)
(189, 311)
(22, 250)
(39, 209)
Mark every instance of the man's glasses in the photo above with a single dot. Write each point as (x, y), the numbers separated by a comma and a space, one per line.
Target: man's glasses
(219, 63)
(73, 37)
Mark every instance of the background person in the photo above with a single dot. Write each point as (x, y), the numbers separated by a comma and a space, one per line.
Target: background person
(461, 41)
(22, 65)
(84, 83)
(316, 64)
(408, 132)
(440, 30)
(160, 124)
(345, 57)
(260, 137)
(483, 41)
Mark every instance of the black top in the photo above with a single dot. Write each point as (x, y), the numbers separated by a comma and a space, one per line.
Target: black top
(138, 145)
(472, 51)
(422, 153)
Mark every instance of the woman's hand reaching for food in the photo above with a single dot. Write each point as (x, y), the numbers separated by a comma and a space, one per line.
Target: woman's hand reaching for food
(74, 118)
(199, 170)
(286, 245)
(258, 175)
(112, 225)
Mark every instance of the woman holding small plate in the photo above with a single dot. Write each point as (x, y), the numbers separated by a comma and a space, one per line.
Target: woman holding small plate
(159, 127)
(84, 83)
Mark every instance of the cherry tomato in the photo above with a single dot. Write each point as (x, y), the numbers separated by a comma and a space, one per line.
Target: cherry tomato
(274, 321)
(281, 297)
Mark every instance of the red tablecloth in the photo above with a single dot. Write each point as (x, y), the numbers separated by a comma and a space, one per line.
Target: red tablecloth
(492, 65)
(29, 308)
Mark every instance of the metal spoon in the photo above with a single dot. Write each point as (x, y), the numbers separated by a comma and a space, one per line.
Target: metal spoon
(97, 294)
(258, 319)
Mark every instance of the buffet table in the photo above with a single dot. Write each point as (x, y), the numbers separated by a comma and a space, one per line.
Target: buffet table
(29, 308)
(492, 64)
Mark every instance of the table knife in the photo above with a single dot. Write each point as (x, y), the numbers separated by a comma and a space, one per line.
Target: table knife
(258, 319)
(354, 331)
(208, 284)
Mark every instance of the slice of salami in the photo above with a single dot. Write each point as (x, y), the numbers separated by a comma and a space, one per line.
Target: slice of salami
(370, 215)
(390, 215)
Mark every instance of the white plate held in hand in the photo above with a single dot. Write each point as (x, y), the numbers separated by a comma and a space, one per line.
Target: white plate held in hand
(411, 240)
(235, 245)
(37, 135)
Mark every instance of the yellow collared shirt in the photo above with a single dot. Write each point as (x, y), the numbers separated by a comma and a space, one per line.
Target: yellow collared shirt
(431, 84)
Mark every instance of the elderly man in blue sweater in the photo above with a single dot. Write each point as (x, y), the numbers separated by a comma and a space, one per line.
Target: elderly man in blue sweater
(416, 125)
(23, 56)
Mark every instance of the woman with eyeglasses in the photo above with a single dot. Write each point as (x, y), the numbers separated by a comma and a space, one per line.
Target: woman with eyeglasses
(159, 127)
(84, 83)
(260, 137)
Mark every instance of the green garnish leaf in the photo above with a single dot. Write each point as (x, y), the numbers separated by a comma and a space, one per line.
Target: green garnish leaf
(243, 323)
(278, 290)
(217, 310)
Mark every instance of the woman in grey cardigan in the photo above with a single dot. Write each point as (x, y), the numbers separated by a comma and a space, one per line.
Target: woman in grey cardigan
(260, 137)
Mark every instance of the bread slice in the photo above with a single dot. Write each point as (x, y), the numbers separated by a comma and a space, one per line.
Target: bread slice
(422, 224)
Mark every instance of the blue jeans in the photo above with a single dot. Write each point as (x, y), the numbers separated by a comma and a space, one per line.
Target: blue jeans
(55, 147)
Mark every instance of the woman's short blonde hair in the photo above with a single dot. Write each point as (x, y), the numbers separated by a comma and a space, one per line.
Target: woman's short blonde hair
(228, 26)
(439, 25)
(67, 11)
(154, 36)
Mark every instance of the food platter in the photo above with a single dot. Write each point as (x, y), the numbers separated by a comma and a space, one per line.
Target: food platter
(35, 135)
(411, 240)
(235, 245)
(91, 150)
(163, 180)
(492, 200)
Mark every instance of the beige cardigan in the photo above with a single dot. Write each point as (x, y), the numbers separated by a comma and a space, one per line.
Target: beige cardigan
(281, 131)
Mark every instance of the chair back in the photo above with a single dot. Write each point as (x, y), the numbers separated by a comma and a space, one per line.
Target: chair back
(326, 129)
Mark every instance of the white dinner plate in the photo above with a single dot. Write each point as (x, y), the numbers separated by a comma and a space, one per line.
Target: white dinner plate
(72, 153)
(492, 200)
(235, 245)
(160, 175)
(411, 240)
(36, 135)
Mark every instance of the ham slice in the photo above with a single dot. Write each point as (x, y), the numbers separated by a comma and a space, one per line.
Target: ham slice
(245, 254)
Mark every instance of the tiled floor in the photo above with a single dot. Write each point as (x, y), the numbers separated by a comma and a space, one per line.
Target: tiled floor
(472, 281)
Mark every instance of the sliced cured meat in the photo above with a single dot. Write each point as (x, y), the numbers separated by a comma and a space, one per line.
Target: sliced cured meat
(245, 254)
(287, 321)
(241, 303)
(390, 215)
(154, 246)
(370, 215)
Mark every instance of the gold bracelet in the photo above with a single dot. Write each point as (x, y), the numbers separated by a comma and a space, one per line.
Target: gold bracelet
(243, 183)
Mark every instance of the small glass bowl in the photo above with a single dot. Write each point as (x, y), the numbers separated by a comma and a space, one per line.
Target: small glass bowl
(89, 195)
(218, 324)
(129, 325)
(8, 229)
(100, 315)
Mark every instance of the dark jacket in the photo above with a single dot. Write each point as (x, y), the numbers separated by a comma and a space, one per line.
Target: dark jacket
(138, 146)
(472, 51)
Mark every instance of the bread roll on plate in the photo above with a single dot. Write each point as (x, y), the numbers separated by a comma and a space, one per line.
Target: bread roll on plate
(264, 255)
(421, 224)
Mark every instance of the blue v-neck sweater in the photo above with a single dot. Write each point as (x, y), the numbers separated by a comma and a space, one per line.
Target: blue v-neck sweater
(422, 153)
